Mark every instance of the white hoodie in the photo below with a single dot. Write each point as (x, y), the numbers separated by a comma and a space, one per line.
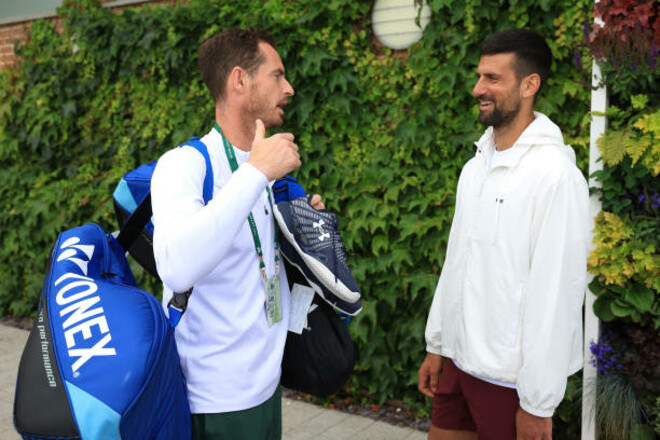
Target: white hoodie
(508, 303)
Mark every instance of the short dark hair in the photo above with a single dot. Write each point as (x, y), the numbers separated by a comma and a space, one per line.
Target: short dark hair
(233, 47)
(532, 53)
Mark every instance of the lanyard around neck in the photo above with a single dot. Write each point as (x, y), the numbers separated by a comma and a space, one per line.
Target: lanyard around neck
(233, 164)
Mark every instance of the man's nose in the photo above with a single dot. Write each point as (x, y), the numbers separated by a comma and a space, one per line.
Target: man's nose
(477, 89)
(288, 89)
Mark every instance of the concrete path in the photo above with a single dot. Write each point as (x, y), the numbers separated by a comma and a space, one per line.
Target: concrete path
(301, 420)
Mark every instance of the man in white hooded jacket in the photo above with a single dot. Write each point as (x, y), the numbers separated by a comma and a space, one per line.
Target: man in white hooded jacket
(505, 330)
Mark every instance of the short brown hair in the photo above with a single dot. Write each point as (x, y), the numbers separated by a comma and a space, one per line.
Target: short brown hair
(233, 47)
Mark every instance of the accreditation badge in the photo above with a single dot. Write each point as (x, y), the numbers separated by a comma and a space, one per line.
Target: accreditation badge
(273, 300)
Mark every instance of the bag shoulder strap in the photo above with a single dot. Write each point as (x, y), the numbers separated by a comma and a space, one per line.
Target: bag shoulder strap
(198, 145)
(143, 212)
(179, 301)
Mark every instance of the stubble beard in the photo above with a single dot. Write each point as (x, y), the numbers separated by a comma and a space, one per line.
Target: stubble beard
(258, 109)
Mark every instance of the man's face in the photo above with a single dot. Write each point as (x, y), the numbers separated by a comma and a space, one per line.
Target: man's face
(497, 90)
(269, 89)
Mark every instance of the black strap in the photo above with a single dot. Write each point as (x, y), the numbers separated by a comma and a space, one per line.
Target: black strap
(135, 223)
(180, 300)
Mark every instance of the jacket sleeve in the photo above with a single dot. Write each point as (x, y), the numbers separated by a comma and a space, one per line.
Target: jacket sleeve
(190, 239)
(433, 333)
(552, 311)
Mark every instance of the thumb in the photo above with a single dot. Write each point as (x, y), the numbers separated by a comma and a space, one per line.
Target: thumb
(260, 130)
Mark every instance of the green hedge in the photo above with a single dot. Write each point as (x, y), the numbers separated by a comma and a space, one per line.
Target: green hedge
(383, 136)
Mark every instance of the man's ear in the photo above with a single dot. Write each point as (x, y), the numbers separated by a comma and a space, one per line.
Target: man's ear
(237, 81)
(530, 85)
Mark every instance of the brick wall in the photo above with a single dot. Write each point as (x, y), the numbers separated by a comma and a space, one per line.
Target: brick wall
(8, 35)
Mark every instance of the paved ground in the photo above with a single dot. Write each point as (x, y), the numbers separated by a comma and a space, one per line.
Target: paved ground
(301, 420)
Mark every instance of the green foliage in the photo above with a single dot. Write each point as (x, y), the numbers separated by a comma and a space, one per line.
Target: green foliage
(655, 414)
(638, 136)
(618, 411)
(625, 262)
(383, 136)
(567, 421)
(627, 269)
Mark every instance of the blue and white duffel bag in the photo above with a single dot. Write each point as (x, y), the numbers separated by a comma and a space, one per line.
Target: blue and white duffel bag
(100, 362)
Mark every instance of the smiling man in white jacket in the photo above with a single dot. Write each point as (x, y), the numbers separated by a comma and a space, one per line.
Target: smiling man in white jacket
(505, 330)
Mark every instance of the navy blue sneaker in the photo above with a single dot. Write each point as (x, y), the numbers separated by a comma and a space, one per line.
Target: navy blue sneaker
(310, 241)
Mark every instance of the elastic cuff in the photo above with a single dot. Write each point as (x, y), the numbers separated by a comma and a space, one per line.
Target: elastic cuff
(535, 411)
(434, 349)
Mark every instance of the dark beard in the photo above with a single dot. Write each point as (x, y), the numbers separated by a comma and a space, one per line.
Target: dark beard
(499, 118)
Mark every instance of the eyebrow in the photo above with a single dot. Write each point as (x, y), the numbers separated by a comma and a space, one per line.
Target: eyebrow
(488, 75)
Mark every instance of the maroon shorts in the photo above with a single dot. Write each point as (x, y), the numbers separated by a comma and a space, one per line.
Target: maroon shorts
(465, 403)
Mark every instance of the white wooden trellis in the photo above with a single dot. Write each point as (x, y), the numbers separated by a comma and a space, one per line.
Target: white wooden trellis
(591, 322)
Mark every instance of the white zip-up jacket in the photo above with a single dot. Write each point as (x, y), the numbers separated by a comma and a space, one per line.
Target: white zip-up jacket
(509, 300)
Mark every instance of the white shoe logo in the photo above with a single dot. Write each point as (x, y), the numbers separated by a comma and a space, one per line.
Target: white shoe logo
(319, 225)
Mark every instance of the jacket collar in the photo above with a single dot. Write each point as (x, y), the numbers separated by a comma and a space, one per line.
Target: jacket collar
(540, 131)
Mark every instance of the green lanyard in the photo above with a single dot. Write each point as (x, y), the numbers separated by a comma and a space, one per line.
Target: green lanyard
(233, 164)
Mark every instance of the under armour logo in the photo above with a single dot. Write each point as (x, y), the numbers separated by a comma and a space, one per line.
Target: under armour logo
(319, 225)
(71, 253)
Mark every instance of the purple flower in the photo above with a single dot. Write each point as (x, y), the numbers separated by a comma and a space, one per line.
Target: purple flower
(578, 60)
(641, 198)
(653, 56)
(603, 356)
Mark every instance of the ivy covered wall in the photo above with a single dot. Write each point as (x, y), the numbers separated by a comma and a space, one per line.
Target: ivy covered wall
(383, 136)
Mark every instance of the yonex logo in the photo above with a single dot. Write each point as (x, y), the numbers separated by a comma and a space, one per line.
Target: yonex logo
(71, 253)
(76, 294)
(318, 225)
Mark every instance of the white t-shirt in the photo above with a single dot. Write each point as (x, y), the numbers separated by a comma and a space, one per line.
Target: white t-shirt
(230, 357)
(497, 157)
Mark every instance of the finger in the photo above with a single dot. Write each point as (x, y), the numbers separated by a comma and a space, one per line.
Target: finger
(259, 131)
(286, 136)
(422, 381)
(434, 383)
(317, 202)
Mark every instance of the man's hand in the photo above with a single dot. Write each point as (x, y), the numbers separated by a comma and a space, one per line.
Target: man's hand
(316, 202)
(531, 427)
(274, 156)
(428, 374)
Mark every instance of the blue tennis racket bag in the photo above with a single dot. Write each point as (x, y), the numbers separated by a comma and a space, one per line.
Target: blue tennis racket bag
(100, 362)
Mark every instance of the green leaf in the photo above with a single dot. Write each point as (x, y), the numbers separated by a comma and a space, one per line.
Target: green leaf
(642, 432)
(378, 243)
(639, 101)
(603, 308)
(641, 298)
(621, 310)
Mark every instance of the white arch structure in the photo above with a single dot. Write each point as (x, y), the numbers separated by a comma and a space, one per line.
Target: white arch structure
(591, 322)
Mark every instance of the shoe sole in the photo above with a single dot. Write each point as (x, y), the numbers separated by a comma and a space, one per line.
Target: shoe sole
(351, 309)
